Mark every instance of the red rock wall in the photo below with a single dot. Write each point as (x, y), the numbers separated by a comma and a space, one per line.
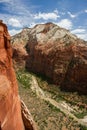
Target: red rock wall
(76, 76)
(55, 53)
(64, 65)
(10, 110)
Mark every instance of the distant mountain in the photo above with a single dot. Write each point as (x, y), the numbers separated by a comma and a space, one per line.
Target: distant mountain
(54, 52)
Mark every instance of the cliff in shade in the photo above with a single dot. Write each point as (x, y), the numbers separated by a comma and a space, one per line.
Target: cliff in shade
(54, 52)
(10, 105)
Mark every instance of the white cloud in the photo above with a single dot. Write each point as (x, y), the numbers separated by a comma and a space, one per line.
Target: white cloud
(82, 36)
(46, 16)
(78, 31)
(14, 31)
(81, 33)
(72, 15)
(14, 22)
(56, 11)
(85, 11)
(15, 6)
(65, 23)
(17, 10)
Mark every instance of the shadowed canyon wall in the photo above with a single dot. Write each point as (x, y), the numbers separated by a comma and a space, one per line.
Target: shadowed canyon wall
(55, 53)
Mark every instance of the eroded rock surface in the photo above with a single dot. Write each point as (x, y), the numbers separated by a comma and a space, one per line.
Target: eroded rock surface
(27, 118)
(10, 109)
(57, 54)
(10, 105)
(19, 42)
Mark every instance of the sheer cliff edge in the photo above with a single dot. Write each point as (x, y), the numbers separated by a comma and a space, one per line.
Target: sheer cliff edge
(10, 104)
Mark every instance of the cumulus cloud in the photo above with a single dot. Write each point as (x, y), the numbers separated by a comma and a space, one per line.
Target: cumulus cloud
(14, 31)
(46, 16)
(72, 15)
(14, 22)
(65, 23)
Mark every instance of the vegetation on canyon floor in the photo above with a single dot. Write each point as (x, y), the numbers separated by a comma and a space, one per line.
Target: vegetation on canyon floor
(47, 116)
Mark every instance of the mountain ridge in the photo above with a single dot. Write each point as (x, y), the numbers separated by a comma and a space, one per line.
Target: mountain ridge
(55, 53)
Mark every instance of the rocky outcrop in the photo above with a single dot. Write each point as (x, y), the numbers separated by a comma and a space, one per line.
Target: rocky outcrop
(10, 105)
(10, 110)
(20, 55)
(19, 42)
(59, 55)
(27, 118)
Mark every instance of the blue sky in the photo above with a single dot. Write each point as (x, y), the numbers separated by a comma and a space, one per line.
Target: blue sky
(70, 14)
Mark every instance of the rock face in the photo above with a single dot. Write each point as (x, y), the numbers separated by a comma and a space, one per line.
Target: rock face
(10, 109)
(27, 118)
(20, 55)
(18, 45)
(59, 55)
(10, 105)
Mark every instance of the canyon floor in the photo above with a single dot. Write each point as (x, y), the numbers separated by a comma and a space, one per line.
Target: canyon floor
(51, 108)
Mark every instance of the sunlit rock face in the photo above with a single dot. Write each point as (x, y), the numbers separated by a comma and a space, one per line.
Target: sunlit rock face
(57, 54)
(10, 109)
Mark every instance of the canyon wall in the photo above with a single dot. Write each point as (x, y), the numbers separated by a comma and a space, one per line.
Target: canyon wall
(10, 109)
(56, 53)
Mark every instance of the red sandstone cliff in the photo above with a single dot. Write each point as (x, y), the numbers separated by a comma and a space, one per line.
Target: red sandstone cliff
(10, 105)
(57, 54)
(10, 110)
